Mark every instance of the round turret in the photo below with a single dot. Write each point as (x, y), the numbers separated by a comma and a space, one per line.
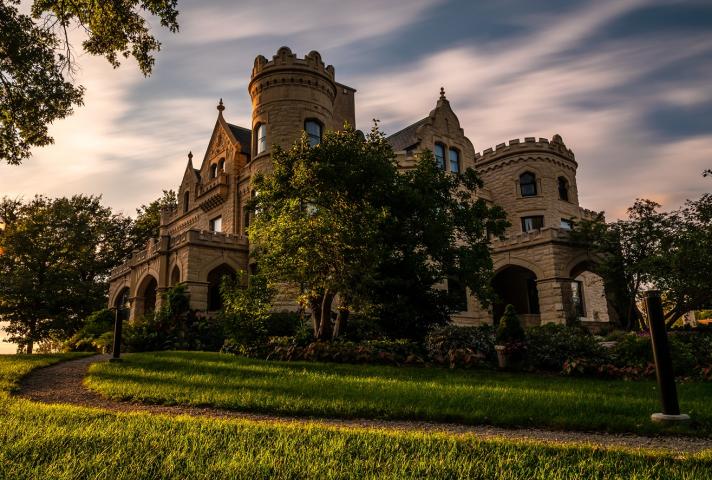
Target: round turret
(290, 95)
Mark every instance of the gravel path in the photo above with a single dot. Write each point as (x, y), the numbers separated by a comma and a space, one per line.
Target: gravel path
(62, 383)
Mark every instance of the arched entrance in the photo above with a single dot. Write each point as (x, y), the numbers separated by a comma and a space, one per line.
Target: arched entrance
(175, 276)
(146, 295)
(588, 294)
(122, 303)
(517, 286)
(215, 278)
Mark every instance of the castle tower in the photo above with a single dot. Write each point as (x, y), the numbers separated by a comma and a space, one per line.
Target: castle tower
(291, 95)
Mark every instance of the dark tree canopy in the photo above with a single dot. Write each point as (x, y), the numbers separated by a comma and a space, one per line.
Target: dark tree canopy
(148, 219)
(55, 257)
(37, 59)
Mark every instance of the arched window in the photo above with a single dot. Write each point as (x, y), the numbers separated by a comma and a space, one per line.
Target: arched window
(527, 184)
(186, 201)
(213, 170)
(563, 189)
(261, 138)
(440, 155)
(215, 279)
(313, 129)
(175, 276)
(454, 157)
(221, 165)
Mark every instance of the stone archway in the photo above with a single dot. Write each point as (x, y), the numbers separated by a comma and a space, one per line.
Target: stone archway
(122, 301)
(516, 285)
(215, 278)
(588, 293)
(147, 295)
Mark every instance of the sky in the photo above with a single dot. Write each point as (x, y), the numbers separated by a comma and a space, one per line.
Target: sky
(627, 83)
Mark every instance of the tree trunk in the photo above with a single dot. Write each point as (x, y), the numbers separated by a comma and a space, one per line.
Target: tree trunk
(31, 337)
(315, 307)
(325, 316)
(341, 322)
(29, 347)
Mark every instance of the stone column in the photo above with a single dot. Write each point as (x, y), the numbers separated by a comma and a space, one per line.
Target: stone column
(198, 294)
(554, 299)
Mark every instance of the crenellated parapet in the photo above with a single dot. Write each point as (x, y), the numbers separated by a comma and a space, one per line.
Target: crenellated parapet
(527, 147)
(286, 68)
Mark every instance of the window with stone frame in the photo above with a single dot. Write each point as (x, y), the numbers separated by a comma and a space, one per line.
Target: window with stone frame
(186, 201)
(527, 184)
(457, 292)
(533, 222)
(216, 225)
(454, 159)
(314, 130)
(563, 185)
(261, 138)
(440, 155)
(566, 224)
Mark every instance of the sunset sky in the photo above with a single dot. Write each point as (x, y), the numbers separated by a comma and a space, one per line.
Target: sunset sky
(628, 84)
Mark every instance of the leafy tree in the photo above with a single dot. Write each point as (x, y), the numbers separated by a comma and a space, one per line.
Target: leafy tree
(510, 327)
(56, 257)
(318, 220)
(438, 230)
(148, 219)
(670, 251)
(246, 311)
(36, 57)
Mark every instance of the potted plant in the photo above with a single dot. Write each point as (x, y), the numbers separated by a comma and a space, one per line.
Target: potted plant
(510, 339)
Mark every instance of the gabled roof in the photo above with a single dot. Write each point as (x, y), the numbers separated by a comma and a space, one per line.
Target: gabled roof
(407, 137)
(243, 135)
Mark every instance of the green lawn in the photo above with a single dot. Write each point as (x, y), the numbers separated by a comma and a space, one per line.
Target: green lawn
(338, 390)
(62, 442)
(14, 367)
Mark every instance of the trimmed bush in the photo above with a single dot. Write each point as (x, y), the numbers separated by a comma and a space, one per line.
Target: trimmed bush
(460, 347)
(386, 352)
(551, 345)
(510, 327)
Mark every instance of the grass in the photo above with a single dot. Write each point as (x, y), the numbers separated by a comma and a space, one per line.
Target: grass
(64, 442)
(14, 367)
(347, 391)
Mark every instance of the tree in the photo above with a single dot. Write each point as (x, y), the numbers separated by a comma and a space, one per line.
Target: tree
(56, 257)
(438, 231)
(318, 220)
(669, 251)
(148, 219)
(36, 57)
(246, 311)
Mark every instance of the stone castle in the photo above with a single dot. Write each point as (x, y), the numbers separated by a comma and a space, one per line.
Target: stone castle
(537, 269)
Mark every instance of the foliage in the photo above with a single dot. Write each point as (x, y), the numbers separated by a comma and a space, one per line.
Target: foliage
(37, 58)
(148, 219)
(670, 251)
(246, 313)
(95, 335)
(56, 257)
(319, 215)
(385, 352)
(339, 221)
(550, 346)
(174, 327)
(460, 346)
(335, 390)
(438, 230)
(510, 327)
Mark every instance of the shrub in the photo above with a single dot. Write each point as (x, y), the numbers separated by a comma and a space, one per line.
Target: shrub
(460, 346)
(96, 326)
(387, 352)
(551, 345)
(246, 314)
(510, 328)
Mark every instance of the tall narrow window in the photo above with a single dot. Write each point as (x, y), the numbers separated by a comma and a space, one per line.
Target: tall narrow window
(245, 220)
(535, 222)
(577, 298)
(454, 157)
(186, 201)
(527, 184)
(216, 224)
(458, 294)
(221, 165)
(213, 170)
(440, 155)
(261, 138)
(313, 129)
(563, 189)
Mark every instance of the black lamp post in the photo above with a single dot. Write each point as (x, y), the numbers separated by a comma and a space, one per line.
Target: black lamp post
(663, 361)
(119, 311)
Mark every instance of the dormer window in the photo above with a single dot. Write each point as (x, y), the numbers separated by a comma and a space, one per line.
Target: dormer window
(313, 129)
(527, 184)
(261, 138)
(440, 155)
(563, 189)
(454, 157)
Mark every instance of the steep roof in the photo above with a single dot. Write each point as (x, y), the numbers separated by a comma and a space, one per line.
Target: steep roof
(243, 135)
(407, 137)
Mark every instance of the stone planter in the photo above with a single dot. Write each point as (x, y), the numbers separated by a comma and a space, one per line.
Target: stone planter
(502, 356)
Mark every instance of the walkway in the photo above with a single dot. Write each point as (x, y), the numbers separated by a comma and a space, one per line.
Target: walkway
(62, 383)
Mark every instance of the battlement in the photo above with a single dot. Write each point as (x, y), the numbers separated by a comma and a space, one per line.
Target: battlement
(528, 145)
(286, 60)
